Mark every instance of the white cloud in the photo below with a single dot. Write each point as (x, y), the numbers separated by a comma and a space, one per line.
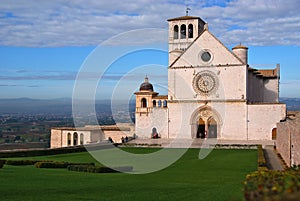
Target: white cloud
(36, 23)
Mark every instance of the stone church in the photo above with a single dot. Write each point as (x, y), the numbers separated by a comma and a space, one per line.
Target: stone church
(212, 91)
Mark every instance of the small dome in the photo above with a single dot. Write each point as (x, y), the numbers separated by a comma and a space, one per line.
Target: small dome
(146, 86)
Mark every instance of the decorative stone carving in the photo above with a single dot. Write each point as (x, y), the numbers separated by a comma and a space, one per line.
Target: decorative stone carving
(205, 83)
(206, 114)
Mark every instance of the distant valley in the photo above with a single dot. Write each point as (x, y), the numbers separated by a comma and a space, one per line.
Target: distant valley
(64, 106)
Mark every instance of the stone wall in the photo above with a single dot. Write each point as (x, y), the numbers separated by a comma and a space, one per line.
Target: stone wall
(156, 118)
(117, 134)
(262, 119)
(271, 90)
(55, 140)
(288, 139)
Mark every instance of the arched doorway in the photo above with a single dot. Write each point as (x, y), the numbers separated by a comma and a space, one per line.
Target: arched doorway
(212, 128)
(205, 123)
(201, 129)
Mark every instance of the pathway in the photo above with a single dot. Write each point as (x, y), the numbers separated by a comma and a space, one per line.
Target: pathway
(273, 161)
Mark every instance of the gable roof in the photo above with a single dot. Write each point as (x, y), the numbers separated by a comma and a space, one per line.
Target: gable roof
(216, 39)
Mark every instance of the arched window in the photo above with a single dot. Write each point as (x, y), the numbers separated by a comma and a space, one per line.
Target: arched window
(159, 103)
(190, 31)
(81, 138)
(176, 32)
(69, 139)
(154, 103)
(144, 102)
(75, 139)
(165, 103)
(183, 31)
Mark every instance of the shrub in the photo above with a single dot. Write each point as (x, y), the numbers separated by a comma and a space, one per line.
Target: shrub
(2, 162)
(99, 169)
(61, 164)
(29, 153)
(51, 165)
(272, 185)
(261, 161)
(22, 162)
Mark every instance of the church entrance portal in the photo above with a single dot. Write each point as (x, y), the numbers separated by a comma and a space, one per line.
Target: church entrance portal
(205, 124)
(208, 129)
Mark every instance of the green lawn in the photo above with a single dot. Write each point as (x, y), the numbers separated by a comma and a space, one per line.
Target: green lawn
(217, 177)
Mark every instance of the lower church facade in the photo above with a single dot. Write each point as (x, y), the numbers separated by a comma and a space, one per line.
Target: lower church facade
(212, 91)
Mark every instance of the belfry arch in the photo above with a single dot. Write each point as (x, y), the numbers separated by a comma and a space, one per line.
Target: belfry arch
(205, 123)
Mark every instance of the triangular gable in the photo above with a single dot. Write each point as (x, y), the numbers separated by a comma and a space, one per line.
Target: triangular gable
(206, 41)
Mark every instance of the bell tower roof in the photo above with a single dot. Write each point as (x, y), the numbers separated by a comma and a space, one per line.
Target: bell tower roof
(186, 17)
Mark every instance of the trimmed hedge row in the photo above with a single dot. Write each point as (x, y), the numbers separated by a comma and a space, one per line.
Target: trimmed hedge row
(2, 162)
(22, 162)
(272, 185)
(62, 164)
(261, 160)
(98, 169)
(29, 153)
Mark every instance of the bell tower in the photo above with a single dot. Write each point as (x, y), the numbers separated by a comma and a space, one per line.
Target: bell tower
(182, 32)
(144, 97)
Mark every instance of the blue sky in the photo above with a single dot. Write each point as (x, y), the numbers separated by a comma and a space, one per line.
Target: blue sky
(43, 44)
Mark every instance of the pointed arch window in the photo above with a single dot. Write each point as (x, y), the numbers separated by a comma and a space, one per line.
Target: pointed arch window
(176, 30)
(190, 31)
(183, 31)
(144, 102)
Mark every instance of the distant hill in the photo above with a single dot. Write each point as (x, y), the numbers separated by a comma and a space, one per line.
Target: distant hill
(53, 106)
(292, 104)
(35, 106)
(64, 105)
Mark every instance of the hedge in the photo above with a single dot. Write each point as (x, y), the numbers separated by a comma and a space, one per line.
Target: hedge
(2, 162)
(261, 160)
(48, 151)
(29, 153)
(272, 185)
(99, 169)
(61, 164)
(23, 162)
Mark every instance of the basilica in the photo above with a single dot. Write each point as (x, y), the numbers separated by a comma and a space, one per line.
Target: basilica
(212, 91)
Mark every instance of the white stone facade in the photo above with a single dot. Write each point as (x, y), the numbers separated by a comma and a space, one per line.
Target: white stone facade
(213, 92)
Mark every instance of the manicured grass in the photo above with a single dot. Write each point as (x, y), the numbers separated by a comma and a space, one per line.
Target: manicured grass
(217, 177)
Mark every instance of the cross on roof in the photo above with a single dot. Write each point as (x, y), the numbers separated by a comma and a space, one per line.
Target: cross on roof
(187, 10)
